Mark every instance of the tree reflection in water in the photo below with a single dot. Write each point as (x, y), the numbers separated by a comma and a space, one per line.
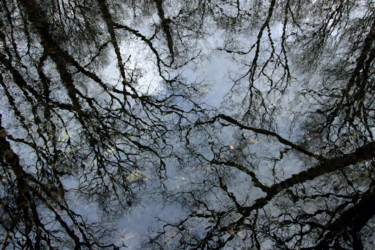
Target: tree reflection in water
(107, 140)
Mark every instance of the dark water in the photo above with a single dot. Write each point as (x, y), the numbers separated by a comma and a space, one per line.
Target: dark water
(187, 124)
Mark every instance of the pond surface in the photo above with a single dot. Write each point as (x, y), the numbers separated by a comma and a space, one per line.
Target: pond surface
(187, 124)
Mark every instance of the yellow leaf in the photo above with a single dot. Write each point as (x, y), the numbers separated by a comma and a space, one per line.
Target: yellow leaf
(63, 136)
(110, 151)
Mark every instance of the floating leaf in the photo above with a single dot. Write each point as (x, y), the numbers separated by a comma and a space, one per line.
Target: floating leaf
(204, 90)
(110, 151)
(242, 234)
(63, 136)
(253, 141)
(313, 134)
(231, 231)
(207, 167)
(126, 236)
(367, 173)
(137, 174)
